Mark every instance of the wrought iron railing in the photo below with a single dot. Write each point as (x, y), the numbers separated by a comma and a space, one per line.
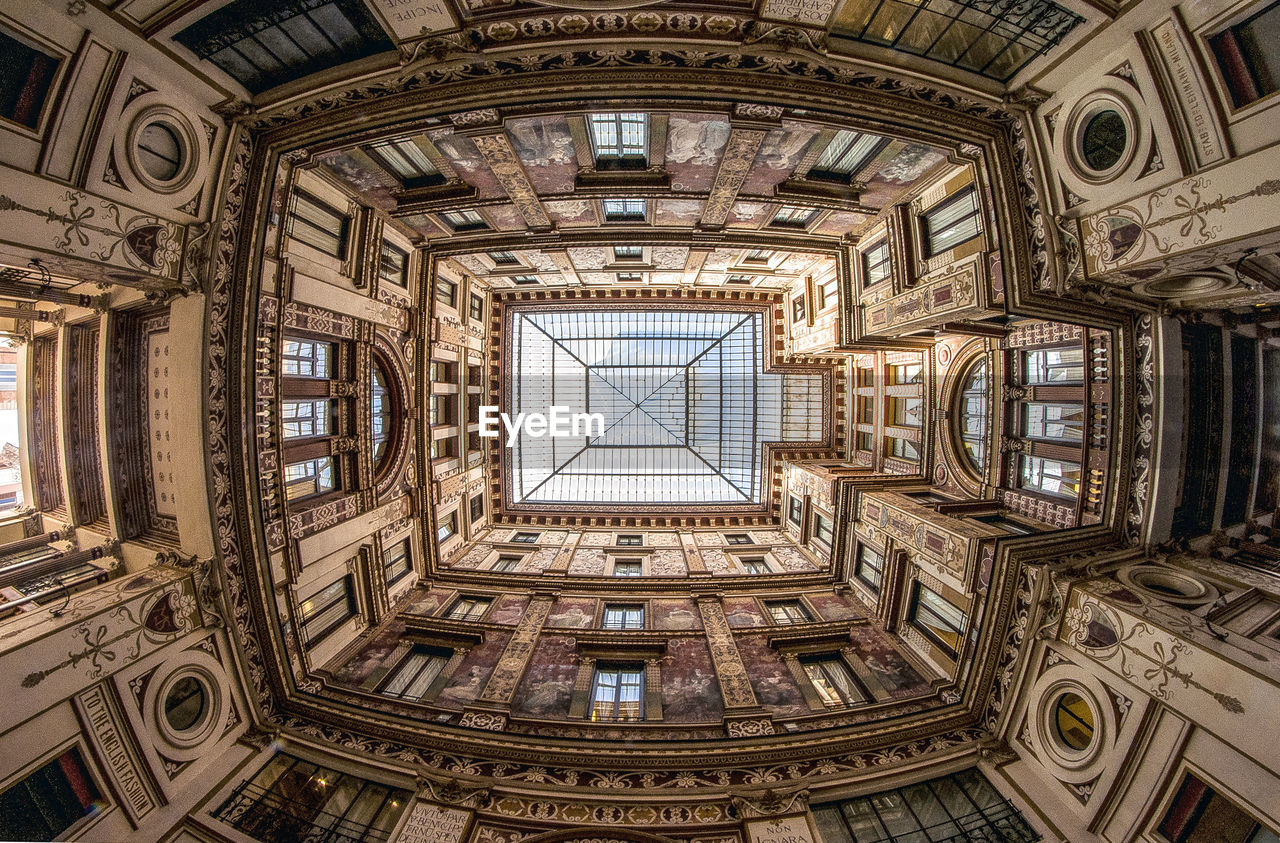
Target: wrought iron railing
(997, 824)
(273, 818)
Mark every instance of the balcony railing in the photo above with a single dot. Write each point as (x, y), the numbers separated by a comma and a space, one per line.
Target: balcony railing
(273, 818)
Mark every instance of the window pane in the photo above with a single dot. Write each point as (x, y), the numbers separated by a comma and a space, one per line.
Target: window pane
(951, 223)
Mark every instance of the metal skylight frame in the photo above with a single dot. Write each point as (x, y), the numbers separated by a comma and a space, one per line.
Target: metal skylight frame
(687, 406)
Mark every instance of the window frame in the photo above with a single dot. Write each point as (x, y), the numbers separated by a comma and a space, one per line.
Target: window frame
(346, 594)
(433, 655)
(622, 616)
(861, 562)
(637, 669)
(342, 248)
(319, 469)
(615, 154)
(857, 695)
(391, 552)
(624, 209)
(786, 617)
(928, 236)
(469, 607)
(914, 604)
(400, 278)
(870, 270)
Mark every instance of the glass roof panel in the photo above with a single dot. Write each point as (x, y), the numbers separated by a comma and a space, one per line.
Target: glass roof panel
(685, 402)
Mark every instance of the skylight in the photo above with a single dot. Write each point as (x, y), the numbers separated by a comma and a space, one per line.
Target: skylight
(686, 403)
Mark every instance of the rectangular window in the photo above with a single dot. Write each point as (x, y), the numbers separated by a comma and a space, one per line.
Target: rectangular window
(866, 409)
(1050, 477)
(477, 507)
(25, 77)
(526, 538)
(443, 410)
(740, 279)
(866, 441)
(754, 565)
(476, 309)
(446, 292)
(469, 608)
(624, 210)
(630, 277)
(444, 448)
(903, 448)
(906, 412)
(846, 155)
(823, 528)
(306, 359)
(303, 419)
(506, 562)
(797, 309)
(870, 567)
(623, 617)
(466, 220)
(326, 610)
(448, 527)
(1054, 366)
(738, 538)
(951, 222)
(787, 611)
(407, 161)
(834, 681)
(757, 256)
(524, 279)
(307, 478)
(628, 568)
(1198, 814)
(630, 541)
(792, 216)
(628, 253)
(504, 258)
(620, 140)
(875, 263)
(318, 225)
(1248, 55)
(1053, 421)
(935, 617)
(50, 800)
(443, 372)
(794, 509)
(827, 294)
(393, 265)
(397, 562)
(412, 678)
(617, 693)
(906, 373)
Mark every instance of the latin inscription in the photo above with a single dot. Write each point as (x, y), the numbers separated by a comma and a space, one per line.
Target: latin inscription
(780, 830)
(813, 12)
(434, 824)
(408, 18)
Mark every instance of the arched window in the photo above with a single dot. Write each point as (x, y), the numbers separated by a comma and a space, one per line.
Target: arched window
(382, 414)
(972, 418)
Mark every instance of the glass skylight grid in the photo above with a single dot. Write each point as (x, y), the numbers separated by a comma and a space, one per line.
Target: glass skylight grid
(685, 401)
(995, 38)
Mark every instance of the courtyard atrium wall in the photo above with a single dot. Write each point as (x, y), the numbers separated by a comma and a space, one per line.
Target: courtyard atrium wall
(937, 353)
